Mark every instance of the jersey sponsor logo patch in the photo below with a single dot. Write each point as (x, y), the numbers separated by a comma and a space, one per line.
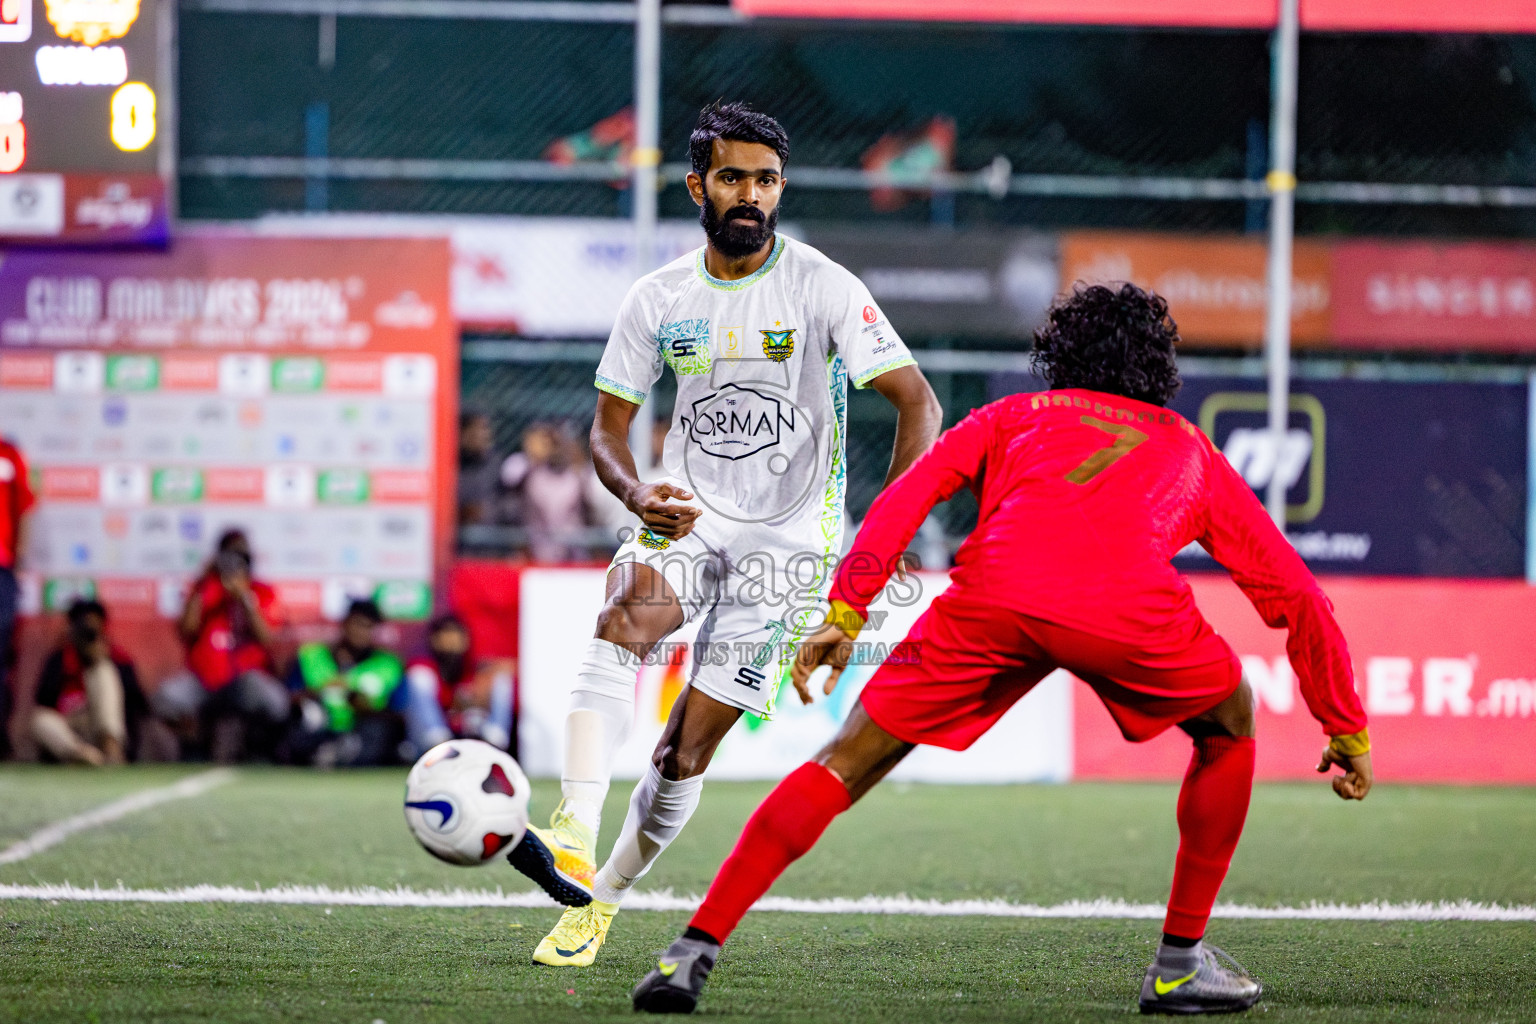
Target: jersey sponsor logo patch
(750, 677)
(685, 345)
(870, 316)
(736, 422)
(779, 345)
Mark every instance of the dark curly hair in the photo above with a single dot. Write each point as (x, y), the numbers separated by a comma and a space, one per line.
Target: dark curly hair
(739, 123)
(1119, 341)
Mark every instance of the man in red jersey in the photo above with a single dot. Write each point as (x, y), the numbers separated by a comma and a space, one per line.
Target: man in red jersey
(1086, 491)
(228, 699)
(16, 504)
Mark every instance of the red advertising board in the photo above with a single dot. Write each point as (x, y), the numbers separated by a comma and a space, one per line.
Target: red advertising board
(1445, 668)
(1418, 16)
(1226, 13)
(1444, 295)
(1318, 15)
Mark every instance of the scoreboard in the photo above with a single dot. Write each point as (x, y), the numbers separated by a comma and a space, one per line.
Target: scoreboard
(87, 135)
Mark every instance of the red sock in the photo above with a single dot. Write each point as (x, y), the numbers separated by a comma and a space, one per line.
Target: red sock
(1212, 807)
(780, 831)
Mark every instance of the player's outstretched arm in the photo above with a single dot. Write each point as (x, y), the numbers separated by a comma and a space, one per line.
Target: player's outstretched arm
(1240, 535)
(615, 465)
(919, 417)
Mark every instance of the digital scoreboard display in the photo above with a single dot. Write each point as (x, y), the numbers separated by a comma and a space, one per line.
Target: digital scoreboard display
(87, 139)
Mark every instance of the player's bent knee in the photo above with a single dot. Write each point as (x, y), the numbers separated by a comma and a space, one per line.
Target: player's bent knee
(634, 626)
(641, 609)
(1232, 717)
(1241, 720)
(616, 623)
(676, 765)
(861, 754)
(852, 770)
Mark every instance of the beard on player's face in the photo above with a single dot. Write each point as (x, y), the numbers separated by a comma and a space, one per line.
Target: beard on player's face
(730, 237)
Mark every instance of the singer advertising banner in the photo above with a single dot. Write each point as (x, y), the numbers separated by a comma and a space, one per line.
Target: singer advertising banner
(1443, 668)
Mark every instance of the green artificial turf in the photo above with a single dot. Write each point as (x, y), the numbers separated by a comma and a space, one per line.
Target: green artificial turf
(1039, 844)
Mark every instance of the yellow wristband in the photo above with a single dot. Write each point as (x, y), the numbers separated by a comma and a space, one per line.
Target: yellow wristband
(845, 618)
(1352, 745)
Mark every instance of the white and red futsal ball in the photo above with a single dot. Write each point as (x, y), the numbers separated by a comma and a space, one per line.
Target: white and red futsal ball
(466, 801)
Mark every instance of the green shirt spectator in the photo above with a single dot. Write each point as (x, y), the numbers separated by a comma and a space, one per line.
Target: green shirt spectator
(353, 674)
(370, 682)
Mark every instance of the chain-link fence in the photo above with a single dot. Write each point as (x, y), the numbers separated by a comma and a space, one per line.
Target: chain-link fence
(1068, 120)
(549, 385)
(1472, 524)
(984, 134)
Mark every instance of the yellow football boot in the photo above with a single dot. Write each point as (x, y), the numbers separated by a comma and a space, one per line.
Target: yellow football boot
(560, 858)
(577, 937)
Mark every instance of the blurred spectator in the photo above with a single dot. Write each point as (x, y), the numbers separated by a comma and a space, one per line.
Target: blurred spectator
(444, 696)
(550, 474)
(89, 704)
(482, 499)
(229, 701)
(345, 689)
(16, 501)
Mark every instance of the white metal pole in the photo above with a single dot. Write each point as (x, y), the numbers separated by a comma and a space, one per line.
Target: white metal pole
(1282, 207)
(646, 160)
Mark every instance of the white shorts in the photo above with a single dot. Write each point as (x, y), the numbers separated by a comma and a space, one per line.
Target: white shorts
(757, 589)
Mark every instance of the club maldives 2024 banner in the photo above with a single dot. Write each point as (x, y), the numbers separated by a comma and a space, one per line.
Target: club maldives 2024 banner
(303, 390)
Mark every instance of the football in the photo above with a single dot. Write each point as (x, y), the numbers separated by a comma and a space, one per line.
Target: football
(466, 801)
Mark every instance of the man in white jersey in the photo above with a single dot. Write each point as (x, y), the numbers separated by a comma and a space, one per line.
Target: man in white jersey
(763, 334)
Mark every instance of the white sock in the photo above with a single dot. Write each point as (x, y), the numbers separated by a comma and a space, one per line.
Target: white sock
(658, 810)
(602, 711)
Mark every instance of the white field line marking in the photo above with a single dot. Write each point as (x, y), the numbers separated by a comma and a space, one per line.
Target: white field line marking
(56, 833)
(1463, 910)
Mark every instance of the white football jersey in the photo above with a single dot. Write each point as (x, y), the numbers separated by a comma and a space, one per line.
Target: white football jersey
(762, 365)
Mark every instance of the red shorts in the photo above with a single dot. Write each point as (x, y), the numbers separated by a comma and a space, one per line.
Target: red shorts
(968, 662)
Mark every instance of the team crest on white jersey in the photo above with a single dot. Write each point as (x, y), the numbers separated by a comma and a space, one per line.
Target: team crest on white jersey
(779, 345)
(655, 542)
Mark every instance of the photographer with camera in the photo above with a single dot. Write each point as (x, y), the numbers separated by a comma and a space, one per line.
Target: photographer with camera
(88, 697)
(229, 701)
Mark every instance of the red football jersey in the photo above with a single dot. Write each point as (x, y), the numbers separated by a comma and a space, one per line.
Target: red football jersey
(16, 500)
(1084, 498)
(225, 646)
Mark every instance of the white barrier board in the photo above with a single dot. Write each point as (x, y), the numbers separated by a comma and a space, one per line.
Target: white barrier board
(1033, 742)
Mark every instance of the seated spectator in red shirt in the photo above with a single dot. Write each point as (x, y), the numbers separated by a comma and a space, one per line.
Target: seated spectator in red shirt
(444, 696)
(229, 701)
(88, 698)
